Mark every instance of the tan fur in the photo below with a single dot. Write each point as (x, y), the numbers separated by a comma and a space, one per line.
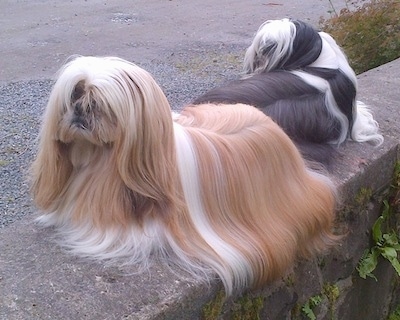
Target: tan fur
(264, 201)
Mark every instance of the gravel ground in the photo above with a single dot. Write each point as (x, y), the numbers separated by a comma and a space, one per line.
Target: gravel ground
(188, 74)
(194, 44)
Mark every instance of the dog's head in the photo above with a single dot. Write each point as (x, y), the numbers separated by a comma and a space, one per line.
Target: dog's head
(282, 44)
(106, 113)
(103, 100)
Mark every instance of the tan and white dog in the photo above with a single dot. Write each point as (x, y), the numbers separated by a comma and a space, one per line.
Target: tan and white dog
(218, 189)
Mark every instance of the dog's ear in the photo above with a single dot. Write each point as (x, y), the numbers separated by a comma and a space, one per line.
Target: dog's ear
(78, 91)
(51, 167)
(50, 171)
(145, 150)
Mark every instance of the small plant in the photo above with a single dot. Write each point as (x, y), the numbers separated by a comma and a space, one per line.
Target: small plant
(330, 293)
(385, 245)
(369, 34)
(309, 306)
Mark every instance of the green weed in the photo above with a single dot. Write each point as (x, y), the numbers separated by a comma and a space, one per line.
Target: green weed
(386, 244)
(369, 34)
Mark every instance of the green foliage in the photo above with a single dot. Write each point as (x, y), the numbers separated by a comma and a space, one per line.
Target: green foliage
(309, 306)
(369, 35)
(386, 244)
(330, 292)
(395, 186)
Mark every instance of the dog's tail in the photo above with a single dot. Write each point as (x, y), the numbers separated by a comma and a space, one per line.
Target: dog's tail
(365, 128)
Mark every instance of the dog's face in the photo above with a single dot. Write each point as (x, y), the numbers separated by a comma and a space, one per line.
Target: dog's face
(88, 116)
(98, 100)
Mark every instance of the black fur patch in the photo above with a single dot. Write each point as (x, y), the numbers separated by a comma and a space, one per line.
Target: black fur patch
(343, 89)
(297, 107)
(307, 46)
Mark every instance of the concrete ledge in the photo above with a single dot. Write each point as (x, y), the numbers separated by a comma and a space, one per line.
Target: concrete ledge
(40, 281)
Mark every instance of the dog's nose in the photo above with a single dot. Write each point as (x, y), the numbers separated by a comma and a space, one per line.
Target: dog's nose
(79, 119)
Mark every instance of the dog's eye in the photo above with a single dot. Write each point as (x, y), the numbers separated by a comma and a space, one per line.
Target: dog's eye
(78, 91)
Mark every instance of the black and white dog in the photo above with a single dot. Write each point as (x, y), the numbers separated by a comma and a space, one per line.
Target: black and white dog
(301, 78)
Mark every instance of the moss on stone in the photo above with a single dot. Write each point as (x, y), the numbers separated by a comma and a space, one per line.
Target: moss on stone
(331, 292)
(213, 309)
(248, 308)
(395, 315)
(363, 196)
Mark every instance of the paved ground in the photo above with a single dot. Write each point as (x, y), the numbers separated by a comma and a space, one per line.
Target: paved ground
(37, 36)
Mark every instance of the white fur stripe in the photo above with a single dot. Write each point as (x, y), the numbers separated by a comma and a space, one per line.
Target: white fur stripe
(323, 86)
(327, 58)
(340, 56)
(235, 269)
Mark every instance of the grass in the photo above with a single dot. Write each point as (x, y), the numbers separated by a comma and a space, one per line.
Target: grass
(369, 34)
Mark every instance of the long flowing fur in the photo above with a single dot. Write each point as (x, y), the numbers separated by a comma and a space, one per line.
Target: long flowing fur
(219, 189)
(302, 80)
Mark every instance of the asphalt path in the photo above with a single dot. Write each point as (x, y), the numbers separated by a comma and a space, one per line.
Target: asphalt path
(37, 36)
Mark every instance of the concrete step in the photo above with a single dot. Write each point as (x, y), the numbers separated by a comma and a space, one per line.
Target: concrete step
(39, 280)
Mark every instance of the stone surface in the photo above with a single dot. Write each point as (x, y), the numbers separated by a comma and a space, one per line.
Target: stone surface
(38, 280)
